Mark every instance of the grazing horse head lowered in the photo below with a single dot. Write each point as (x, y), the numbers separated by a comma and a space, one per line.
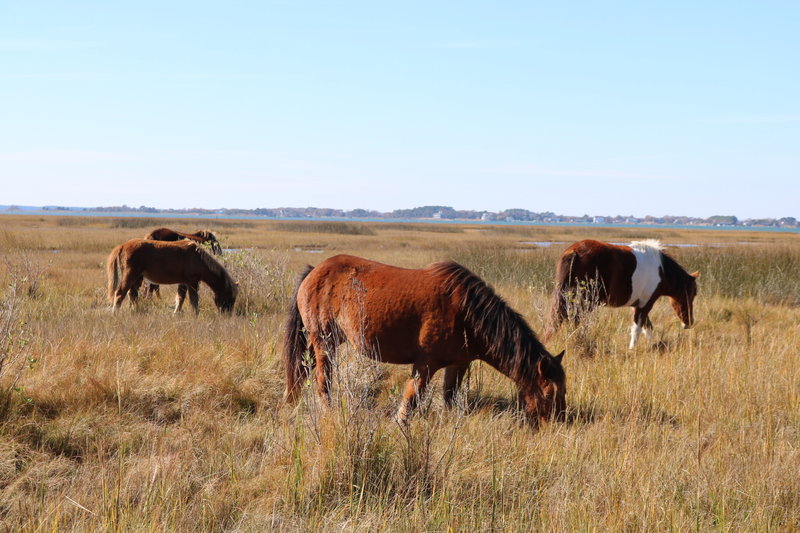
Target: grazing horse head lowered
(439, 317)
(183, 262)
(204, 237)
(635, 275)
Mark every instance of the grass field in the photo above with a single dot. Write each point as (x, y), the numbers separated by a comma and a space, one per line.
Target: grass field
(146, 421)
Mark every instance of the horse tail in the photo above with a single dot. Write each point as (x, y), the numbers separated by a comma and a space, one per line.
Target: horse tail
(558, 302)
(114, 271)
(295, 346)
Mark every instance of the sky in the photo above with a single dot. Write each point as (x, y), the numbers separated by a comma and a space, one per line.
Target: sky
(599, 108)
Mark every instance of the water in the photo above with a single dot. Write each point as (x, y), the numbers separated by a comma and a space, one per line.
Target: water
(219, 216)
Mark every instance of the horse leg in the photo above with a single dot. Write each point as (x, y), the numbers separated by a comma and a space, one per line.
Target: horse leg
(134, 291)
(194, 296)
(639, 319)
(149, 290)
(647, 326)
(453, 377)
(641, 322)
(323, 352)
(119, 296)
(180, 297)
(415, 387)
(126, 285)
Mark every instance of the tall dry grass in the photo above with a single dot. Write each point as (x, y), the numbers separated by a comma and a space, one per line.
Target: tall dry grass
(147, 421)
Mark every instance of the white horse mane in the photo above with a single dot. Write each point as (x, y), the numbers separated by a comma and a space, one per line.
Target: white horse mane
(647, 246)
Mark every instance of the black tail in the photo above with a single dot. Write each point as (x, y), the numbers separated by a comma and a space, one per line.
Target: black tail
(558, 304)
(295, 345)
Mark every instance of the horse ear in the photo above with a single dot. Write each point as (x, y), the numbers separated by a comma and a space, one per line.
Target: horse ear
(560, 356)
(695, 274)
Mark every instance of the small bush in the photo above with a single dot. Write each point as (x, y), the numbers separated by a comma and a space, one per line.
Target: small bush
(265, 285)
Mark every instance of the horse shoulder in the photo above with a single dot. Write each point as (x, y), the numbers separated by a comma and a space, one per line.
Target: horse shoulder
(645, 278)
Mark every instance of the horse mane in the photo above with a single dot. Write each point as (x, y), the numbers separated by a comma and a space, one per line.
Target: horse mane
(674, 274)
(648, 246)
(217, 269)
(508, 338)
(205, 234)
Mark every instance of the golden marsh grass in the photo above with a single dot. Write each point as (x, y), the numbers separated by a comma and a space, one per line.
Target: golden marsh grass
(147, 421)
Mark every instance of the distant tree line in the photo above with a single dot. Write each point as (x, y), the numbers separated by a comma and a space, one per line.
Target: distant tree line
(448, 213)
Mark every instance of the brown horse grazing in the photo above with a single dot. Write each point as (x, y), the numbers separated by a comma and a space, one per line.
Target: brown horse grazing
(183, 262)
(202, 237)
(441, 316)
(635, 275)
(166, 234)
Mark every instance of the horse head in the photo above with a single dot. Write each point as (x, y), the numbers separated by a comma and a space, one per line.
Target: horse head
(547, 398)
(227, 298)
(682, 299)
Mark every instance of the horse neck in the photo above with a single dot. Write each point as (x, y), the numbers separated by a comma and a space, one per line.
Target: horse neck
(502, 337)
(675, 278)
(193, 237)
(216, 278)
(519, 363)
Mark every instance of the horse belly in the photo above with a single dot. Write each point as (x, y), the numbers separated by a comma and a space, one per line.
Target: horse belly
(384, 338)
(645, 279)
(399, 332)
(166, 276)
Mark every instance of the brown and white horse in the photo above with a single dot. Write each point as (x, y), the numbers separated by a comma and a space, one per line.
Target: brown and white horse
(441, 316)
(183, 262)
(616, 275)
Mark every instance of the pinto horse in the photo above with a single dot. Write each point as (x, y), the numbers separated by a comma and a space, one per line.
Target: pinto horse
(441, 316)
(165, 234)
(183, 262)
(635, 275)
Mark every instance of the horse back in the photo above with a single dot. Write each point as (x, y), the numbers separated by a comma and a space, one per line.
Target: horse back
(165, 262)
(611, 265)
(400, 313)
(163, 234)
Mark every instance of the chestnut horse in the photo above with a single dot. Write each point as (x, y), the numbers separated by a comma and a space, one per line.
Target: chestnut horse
(441, 316)
(165, 234)
(202, 237)
(183, 262)
(635, 275)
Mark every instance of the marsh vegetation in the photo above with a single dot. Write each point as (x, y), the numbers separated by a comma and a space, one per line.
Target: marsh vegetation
(148, 421)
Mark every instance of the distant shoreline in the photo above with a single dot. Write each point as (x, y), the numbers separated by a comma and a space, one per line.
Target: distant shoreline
(29, 211)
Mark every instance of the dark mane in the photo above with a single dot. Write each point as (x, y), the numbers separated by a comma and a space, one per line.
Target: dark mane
(508, 338)
(216, 268)
(205, 234)
(676, 277)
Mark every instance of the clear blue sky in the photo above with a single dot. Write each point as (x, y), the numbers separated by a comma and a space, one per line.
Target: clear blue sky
(689, 108)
